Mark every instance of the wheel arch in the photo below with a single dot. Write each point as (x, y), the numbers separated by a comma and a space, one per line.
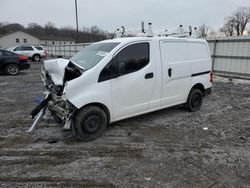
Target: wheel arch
(200, 87)
(33, 56)
(101, 106)
(4, 65)
(36, 54)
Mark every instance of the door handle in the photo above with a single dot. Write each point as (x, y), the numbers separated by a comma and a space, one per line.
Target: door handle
(149, 75)
(170, 72)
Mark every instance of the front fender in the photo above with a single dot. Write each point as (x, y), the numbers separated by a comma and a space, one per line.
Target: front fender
(93, 93)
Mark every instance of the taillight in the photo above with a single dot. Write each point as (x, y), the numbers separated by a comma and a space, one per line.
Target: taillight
(211, 76)
(23, 57)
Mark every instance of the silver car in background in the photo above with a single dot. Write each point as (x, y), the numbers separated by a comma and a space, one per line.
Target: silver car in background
(34, 53)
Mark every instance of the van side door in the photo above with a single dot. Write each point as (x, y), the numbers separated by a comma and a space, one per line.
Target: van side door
(176, 71)
(133, 87)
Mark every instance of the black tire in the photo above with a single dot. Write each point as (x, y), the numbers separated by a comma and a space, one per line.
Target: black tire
(36, 57)
(194, 101)
(90, 122)
(12, 69)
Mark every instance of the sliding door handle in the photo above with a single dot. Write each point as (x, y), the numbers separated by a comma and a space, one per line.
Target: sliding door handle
(170, 72)
(149, 75)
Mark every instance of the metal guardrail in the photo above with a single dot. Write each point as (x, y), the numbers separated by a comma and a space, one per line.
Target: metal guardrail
(231, 55)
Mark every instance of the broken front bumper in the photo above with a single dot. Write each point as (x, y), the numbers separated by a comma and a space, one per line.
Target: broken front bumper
(40, 110)
(55, 102)
(59, 108)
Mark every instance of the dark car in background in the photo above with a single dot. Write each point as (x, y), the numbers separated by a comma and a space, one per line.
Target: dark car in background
(12, 63)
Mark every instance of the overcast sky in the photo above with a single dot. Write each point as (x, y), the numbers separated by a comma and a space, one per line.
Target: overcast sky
(111, 14)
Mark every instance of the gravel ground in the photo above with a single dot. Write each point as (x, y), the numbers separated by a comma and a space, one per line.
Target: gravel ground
(167, 148)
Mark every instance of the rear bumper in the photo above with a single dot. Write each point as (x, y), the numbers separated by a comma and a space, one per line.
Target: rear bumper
(208, 91)
(24, 66)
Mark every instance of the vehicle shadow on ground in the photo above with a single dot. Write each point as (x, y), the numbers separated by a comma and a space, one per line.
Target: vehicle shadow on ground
(179, 109)
(125, 125)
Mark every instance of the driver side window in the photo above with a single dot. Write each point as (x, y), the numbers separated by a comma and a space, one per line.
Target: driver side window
(130, 59)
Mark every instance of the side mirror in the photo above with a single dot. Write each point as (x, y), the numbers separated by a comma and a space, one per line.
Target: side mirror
(120, 68)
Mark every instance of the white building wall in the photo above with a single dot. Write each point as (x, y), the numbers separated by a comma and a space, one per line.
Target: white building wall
(11, 40)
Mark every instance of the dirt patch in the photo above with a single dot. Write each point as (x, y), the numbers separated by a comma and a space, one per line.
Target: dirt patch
(167, 148)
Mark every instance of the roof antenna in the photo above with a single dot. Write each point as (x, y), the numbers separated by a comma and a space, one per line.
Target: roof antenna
(115, 34)
(166, 32)
(123, 30)
(142, 27)
(190, 30)
(150, 31)
(196, 33)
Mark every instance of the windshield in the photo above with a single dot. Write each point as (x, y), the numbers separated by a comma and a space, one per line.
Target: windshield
(91, 55)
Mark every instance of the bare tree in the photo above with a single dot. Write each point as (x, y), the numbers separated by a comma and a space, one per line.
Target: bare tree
(35, 28)
(203, 29)
(228, 28)
(95, 30)
(212, 33)
(240, 18)
(50, 28)
(3, 24)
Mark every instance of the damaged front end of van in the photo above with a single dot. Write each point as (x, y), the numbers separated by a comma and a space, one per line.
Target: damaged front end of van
(55, 75)
(69, 88)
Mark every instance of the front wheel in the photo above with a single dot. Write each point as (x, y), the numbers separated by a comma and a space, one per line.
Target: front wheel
(90, 122)
(194, 101)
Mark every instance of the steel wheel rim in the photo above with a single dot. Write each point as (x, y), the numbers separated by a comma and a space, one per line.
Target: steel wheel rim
(91, 124)
(195, 100)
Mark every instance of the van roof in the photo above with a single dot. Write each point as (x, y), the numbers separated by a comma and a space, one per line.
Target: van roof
(134, 39)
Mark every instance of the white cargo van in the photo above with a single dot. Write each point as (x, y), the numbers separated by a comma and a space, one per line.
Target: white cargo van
(120, 78)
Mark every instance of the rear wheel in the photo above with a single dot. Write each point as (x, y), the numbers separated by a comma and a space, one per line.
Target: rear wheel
(36, 57)
(12, 69)
(90, 122)
(194, 101)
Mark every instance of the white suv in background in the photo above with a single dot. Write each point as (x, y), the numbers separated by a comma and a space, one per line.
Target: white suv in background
(33, 52)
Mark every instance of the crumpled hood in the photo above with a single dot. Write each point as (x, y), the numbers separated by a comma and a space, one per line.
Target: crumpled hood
(56, 69)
